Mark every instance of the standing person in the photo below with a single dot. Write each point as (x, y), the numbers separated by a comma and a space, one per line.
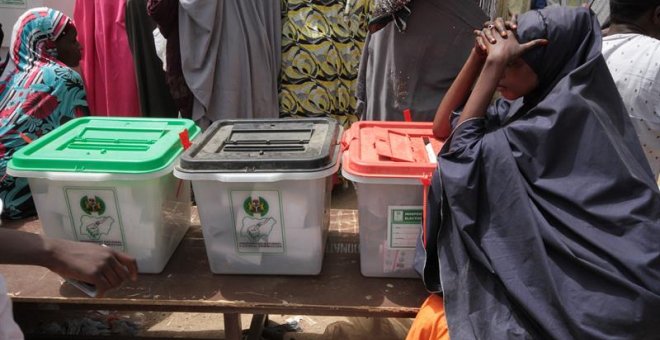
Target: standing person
(231, 59)
(412, 54)
(321, 47)
(632, 51)
(166, 15)
(39, 91)
(107, 64)
(544, 216)
(155, 98)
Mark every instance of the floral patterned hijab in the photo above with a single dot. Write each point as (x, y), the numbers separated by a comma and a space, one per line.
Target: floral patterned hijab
(38, 93)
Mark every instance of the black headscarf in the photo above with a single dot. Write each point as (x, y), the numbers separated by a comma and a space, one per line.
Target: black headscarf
(568, 45)
(547, 225)
(630, 10)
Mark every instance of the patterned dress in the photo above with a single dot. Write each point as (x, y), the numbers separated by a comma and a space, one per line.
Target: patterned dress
(322, 42)
(38, 93)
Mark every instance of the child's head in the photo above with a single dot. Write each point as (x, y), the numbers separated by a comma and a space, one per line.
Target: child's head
(571, 34)
(518, 80)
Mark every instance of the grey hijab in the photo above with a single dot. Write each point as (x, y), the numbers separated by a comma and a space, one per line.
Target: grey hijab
(547, 225)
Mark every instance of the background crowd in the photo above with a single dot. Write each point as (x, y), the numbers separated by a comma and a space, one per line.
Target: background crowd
(551, 189)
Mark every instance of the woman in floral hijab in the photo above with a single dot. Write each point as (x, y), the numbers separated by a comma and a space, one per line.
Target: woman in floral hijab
(39, 91)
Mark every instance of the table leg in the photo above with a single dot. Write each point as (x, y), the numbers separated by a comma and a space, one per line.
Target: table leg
(233, 328)
(257, 326)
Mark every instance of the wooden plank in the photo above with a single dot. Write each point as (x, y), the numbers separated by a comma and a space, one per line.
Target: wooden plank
(187, 285)
(91, 337)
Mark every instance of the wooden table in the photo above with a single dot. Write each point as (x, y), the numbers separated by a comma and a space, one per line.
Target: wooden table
(187, 285)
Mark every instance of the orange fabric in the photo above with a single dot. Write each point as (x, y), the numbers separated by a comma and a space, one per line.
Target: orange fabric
(430, 323)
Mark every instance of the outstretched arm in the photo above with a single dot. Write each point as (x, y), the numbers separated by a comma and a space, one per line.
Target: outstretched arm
(103, 267)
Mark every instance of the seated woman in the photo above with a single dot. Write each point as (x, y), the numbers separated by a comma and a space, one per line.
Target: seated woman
(543, 216)
(39, 91)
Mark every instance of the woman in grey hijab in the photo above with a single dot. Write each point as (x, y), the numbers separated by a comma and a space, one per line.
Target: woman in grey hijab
(544, 218)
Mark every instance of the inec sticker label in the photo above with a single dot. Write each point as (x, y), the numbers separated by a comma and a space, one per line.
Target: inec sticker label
(258, 222)
(404, 224)
(95, 216)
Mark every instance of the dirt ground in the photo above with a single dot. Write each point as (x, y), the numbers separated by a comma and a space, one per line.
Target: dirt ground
(159, 325)
(311, 327)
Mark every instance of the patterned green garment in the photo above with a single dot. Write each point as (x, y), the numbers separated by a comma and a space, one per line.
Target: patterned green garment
(322, 42)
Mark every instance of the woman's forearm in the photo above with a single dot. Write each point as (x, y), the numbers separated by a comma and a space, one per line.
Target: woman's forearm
(20, 247)
(483, 91)
(457, 94)
(103, 267)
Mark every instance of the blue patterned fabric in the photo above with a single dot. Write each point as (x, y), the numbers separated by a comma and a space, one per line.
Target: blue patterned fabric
(38, 93)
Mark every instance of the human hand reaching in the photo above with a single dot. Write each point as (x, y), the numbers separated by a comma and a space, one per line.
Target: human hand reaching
(103, 267)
